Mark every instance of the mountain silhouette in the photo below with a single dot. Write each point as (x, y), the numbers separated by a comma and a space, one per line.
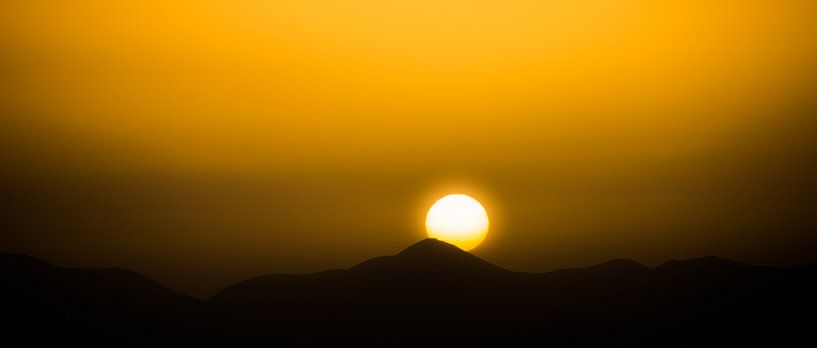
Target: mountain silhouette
(429, 256)
(27, 276)
(55, 304)
(428, 267)
(433, 269)
(431, 293)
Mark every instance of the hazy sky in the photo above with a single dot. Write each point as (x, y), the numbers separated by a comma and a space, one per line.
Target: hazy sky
(203, 142)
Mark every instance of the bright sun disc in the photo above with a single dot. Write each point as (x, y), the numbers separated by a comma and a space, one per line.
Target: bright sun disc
(457, 219)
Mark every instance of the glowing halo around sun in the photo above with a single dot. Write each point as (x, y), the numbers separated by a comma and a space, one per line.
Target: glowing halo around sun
(458, 219)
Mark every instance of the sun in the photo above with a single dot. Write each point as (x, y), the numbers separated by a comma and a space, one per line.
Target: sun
(458, 219)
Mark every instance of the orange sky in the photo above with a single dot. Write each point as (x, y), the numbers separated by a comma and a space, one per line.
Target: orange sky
(234, 138)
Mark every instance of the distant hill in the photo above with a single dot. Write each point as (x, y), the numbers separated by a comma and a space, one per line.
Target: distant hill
(55, 304)
(431, 293)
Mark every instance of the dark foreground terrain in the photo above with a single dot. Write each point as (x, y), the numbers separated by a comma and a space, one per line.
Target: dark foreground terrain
(431, 293)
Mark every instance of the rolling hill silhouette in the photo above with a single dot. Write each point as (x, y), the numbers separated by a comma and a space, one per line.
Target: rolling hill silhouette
(431, 293)
(47, 303)
(428, 267)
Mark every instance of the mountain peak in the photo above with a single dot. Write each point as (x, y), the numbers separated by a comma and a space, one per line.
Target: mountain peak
(428, 256)
(431, 246)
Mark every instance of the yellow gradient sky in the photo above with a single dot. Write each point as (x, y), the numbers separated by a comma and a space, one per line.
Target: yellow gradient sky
(240, 137)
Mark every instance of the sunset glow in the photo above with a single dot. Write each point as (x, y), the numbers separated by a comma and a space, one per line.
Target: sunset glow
(458, 219)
